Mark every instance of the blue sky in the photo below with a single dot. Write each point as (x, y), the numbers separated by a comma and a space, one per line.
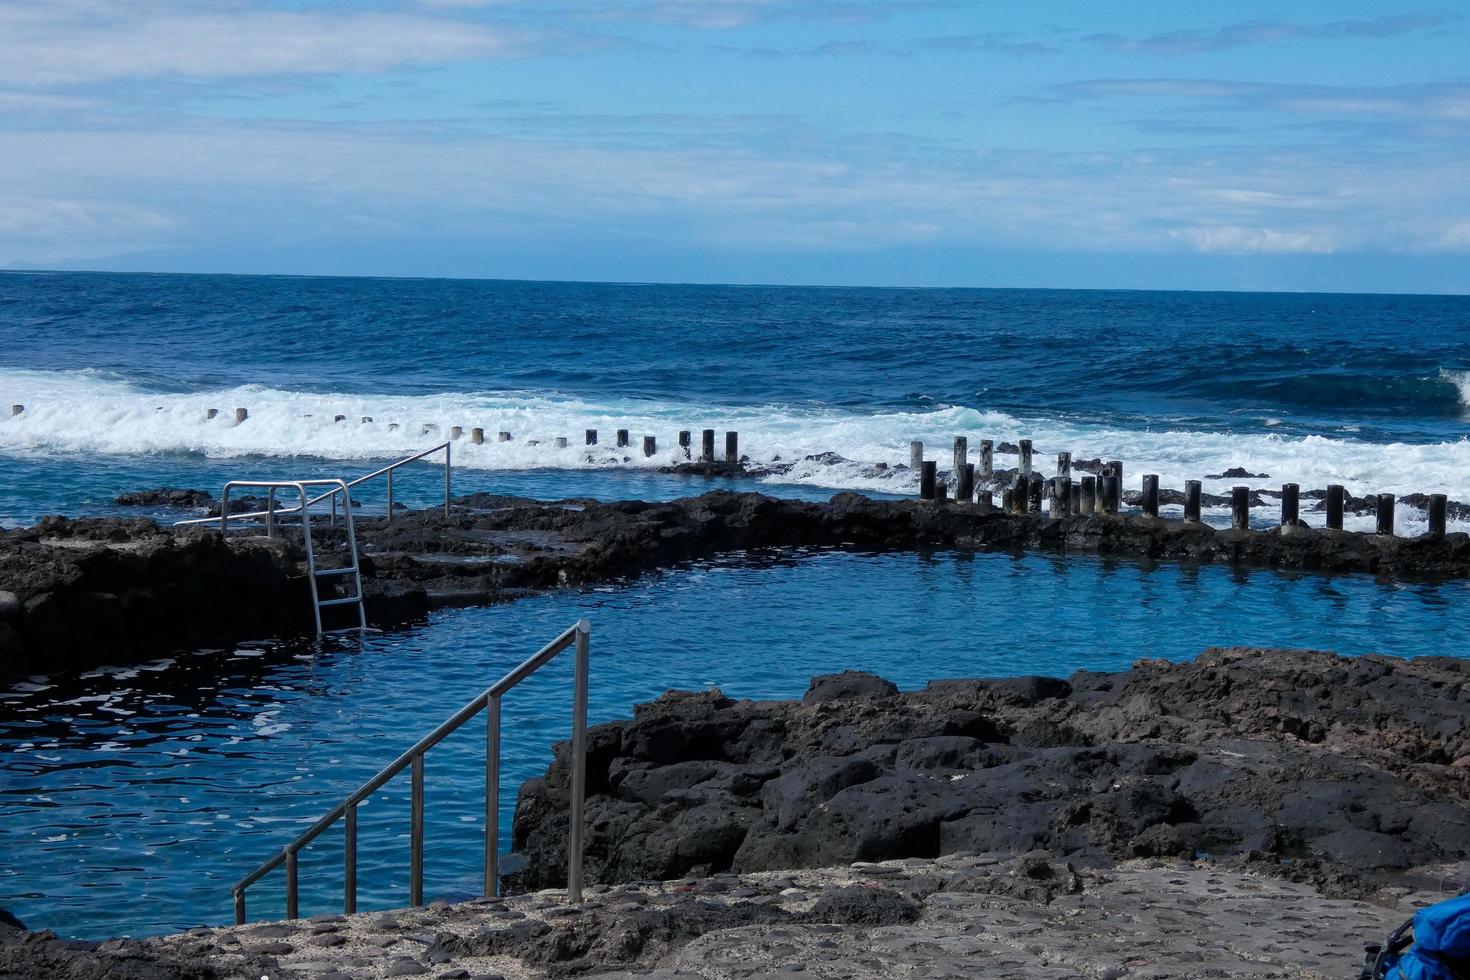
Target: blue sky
(913, 142)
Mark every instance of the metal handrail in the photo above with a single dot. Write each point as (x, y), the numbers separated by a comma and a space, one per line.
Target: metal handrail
(270, 513)
(489, 701)
(271, 486)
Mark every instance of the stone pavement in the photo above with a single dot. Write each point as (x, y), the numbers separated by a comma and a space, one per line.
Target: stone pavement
(957, 916)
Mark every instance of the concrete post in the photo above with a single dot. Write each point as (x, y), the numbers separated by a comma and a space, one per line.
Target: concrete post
(1007, 501)
(1290, 504)
(454, 433)
(622, 438)
(707, 446)
(1089, 496)
(17, 409)
(1150, 495)
(916, 456)
(961, 453)
(1025, 452)
(1385, 513)
(477, 436)
(1020, 487)
(1192, 491)
(1074, 506)
(241, 414)
(1061, 496)
(591, 437)
(965, 482)
(1107, 493)
(1335, 494)
(560, 442)
(650, 445)
(367, 420)
(502, 437)
(213, 413)
(1064, 464)
(928, 471)
(732, 447)
(941, 492)
(987, 460)
(1240, 508)
(1437, 507)
(1117, 469)
(1034, 493)
(986, 498)
(685, 441)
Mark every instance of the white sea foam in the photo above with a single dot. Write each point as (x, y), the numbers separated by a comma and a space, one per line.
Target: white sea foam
(1461, 380)
(87, 412)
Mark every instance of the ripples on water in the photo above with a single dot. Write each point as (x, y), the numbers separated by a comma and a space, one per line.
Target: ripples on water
(130, 799)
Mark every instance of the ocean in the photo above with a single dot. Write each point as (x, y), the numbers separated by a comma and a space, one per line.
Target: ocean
(132, 797)
(117, 374)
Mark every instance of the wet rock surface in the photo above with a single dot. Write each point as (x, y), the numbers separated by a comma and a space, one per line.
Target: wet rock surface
(986, 915)
(1346, 772)
(89, 591)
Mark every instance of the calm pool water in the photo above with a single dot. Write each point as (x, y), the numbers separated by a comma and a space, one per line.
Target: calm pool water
(131, 799)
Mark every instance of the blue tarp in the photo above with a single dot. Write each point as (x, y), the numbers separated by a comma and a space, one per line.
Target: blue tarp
(1441, 949)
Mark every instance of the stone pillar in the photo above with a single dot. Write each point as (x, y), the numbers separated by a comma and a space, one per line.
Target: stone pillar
(650, 445)
(1385, 513)
(591, 437)
(916, 456)
(1064, 464)
(1437, 506)
(1290, 504)
(707, 446)
(1025, 457)
(965, 482)
(1088, 504)
(1150, 495)
(1192, 491)
(686, 440)
(986, 470)
(241, 414)
(1240, 508)
(622, 438)
(1335, 494)
(961, 453)
(1107, 493)
(560, 442)
(732, 447)
(1034, 493)
(477, 436)
(502, 437)
(928, 472)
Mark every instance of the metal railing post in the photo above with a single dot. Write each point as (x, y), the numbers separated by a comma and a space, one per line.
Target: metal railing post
(579, 766)
(446, 479)
(270, 513)
(390, 495)
(416, 835)
(291, 909)
(349, 862)
(492, 796)
(334, 510)
(239, 906)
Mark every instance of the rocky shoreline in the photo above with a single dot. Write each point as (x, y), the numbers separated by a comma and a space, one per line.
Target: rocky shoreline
(1352, 773)
(81, 592)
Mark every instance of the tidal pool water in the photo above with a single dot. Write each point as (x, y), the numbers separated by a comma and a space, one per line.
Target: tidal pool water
(131, 799)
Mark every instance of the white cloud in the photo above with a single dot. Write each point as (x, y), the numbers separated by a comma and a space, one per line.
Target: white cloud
(66, 42)
(1234, 239)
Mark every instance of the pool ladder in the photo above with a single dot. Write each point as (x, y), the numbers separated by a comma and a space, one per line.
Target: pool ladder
(313, 574)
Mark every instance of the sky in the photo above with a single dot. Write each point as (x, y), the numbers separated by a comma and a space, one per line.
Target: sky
(1302, 146)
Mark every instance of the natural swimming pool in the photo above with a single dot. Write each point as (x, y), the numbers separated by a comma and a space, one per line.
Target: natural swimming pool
(130, 800)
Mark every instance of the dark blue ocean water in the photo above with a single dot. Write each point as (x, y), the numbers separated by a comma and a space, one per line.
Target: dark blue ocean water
(1370, 391)
(130, 799)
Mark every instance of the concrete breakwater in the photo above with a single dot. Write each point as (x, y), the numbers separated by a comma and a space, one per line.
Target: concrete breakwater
(1350, 773)
(90, 591)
